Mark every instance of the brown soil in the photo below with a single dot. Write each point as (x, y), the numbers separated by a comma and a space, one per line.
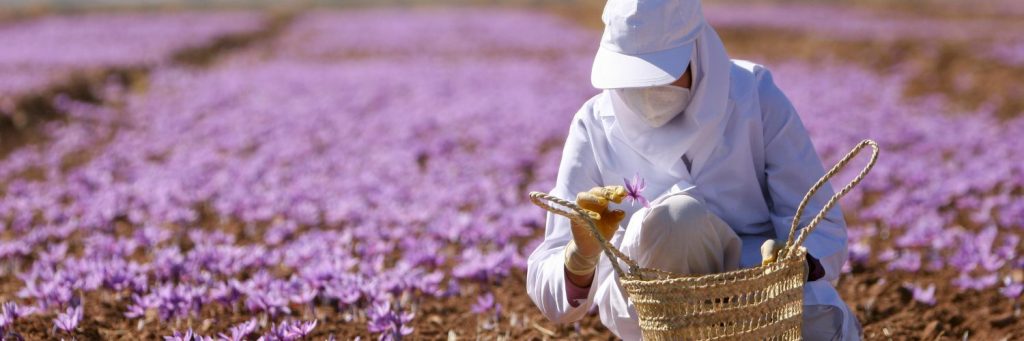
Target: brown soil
(207, 54)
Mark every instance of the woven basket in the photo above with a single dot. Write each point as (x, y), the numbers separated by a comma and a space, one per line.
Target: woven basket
(764, 302)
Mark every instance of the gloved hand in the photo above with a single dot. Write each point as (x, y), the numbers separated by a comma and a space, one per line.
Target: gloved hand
(770, 251)
(584, 250)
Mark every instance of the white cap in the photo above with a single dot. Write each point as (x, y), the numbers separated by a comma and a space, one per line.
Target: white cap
(646, 42)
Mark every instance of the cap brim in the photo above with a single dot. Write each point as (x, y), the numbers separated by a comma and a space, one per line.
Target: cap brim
(613, 70)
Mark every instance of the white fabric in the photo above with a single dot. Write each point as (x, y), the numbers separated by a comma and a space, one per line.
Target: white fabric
(645, 42)
(752, 175)
(676, 234)
(679, 235)
(656, 105)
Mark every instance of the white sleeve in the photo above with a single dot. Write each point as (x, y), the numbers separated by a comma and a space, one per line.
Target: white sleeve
(545, 277)
(792, 166)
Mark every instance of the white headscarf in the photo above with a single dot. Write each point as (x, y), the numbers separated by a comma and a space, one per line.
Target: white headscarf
(696, 131)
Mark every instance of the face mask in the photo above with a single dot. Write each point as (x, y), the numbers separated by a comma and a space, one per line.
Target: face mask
(656, 105)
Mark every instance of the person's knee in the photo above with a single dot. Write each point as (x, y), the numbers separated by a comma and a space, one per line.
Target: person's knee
(680, 235)
(682, 214)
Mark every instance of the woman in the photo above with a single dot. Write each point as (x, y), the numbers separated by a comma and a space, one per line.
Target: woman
(722, 151)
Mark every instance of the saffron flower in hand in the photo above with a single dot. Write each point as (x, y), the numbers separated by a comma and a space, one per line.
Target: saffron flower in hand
(634, 188)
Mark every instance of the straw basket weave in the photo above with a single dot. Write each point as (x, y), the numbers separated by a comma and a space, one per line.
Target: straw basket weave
(760, 303)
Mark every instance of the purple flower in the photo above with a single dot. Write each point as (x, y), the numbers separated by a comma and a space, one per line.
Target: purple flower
(304, 295)
(304, 328)
(923, 295)
(1011, 288)
(484, 303)
(289, 330)
(281, 332)
(12, 312)
(226, 292)
(907, 261)
(390, 324)
(975, 282)
(68, 320)
(240, 331)
(635, 188)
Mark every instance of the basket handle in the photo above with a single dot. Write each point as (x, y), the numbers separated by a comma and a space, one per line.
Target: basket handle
(581, 216)
(793, 244)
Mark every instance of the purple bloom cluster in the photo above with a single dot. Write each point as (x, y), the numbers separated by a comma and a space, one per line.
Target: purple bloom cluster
(392, 324)
(241, 330)
(283, 331)
(10, 312)
(29, 60)
(995, 37)
(948, 187)
(296, 182)
(437, 33)
(290, 330)
(1010, 52)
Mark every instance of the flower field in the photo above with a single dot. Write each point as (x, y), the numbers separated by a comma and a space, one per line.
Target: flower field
(102, 41)
(363, 173)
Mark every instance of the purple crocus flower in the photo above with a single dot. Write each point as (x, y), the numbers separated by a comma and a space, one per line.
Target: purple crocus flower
(1011, 288)
(304, 328)
(635, 188)
(907, 261)
(924, 295)
(68, 320)
(12, 312)
(483, 303)
(281, 332)
(390, 324)
(240, 331)
(975, 282)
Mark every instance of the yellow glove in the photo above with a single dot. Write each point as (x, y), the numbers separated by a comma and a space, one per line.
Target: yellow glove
(584, 250)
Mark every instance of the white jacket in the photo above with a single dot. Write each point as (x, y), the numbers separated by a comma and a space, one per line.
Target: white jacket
(753, 178)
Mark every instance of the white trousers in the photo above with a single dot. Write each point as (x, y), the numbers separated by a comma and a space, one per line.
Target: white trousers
(680, 235)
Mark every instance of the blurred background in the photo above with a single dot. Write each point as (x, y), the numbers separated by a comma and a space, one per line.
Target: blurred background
(342, 168)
